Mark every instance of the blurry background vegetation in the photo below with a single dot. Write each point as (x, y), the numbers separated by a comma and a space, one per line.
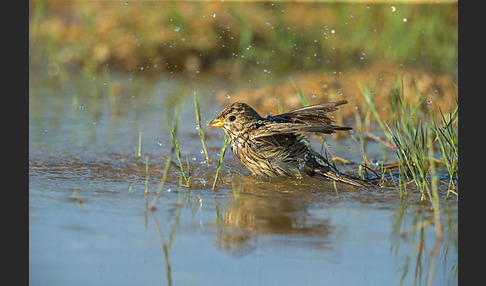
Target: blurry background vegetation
(241, 38)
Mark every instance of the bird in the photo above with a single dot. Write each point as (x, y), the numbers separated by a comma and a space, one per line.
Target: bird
(275, 146)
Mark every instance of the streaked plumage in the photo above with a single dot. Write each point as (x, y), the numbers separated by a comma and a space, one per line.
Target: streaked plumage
(276, 145)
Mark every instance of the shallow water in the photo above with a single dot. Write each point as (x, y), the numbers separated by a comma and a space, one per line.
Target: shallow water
(90, 221)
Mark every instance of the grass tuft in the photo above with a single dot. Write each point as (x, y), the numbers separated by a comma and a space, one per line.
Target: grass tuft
(414, 136)
(447, 138)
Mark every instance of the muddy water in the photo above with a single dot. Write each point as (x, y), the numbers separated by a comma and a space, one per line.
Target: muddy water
(90, 221)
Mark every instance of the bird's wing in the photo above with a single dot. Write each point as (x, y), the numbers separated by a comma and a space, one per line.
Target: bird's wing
(271, 129)
(310, 114)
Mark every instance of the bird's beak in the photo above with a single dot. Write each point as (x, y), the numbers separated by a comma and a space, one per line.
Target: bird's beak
(216, 123)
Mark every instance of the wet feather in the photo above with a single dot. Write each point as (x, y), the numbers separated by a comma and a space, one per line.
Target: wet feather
(276, 145)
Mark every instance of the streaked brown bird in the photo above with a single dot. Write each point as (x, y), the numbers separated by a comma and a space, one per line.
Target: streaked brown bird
(274, 146)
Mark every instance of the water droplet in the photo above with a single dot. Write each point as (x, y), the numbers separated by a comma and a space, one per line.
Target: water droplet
(306, 157)
(393, 9)
(314, 95)
(301, 163)
(332, 31)
(177, 29)
(159, 143)
(213, 15)
(228, 96)
(404, 20)
(81, 107)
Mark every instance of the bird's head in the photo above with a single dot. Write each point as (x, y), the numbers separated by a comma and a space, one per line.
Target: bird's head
(235, 118)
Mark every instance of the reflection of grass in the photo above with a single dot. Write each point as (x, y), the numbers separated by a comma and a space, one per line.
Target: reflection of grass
(165, 250)
(413, 224)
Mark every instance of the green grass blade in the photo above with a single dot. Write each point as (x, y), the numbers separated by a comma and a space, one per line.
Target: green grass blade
(175, 143)
(220, 160)
(200, 129)
(300, 93)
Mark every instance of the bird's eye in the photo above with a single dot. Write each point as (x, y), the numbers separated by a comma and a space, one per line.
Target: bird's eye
(232, 118)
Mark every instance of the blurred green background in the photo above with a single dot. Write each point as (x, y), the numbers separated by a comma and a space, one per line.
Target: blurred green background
(242, 38)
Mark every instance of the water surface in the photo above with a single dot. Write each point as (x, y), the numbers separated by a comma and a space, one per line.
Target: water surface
(90, 221)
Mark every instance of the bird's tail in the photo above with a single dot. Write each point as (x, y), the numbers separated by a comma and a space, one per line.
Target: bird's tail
(343, 178)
